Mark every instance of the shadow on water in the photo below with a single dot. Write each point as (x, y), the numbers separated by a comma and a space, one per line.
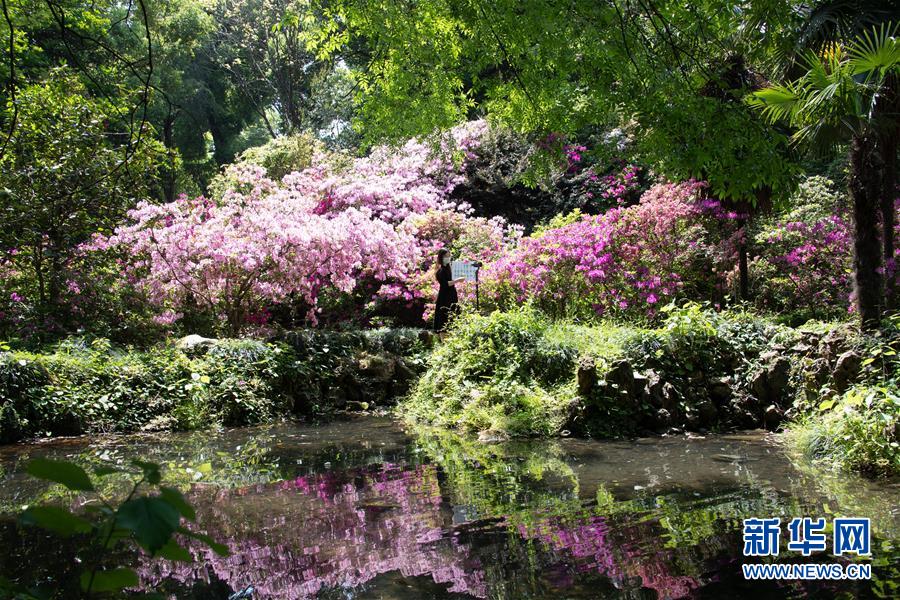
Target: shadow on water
(362, 509)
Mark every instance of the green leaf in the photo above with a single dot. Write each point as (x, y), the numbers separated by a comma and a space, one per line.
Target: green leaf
(172, 551)
(826, 405)
(70, 475)
(220, 549)
(103, 471)
(58, 520)
(176, 499)
(109, 581)
(151, 519)
(151, 470)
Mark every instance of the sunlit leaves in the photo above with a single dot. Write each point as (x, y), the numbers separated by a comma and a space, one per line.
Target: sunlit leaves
(57, 520)
(70, 475)
(108, 581)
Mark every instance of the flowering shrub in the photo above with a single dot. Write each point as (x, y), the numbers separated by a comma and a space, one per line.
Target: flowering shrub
(625, 261)
(803, 268)
(234, 257)
(806, 267)
(349, 232)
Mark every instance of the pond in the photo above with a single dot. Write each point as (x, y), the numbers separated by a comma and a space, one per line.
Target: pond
(366, 509)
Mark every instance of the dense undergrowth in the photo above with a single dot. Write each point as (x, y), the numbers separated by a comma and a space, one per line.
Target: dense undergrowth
(85, 387)
(520, 373)
(857, 429)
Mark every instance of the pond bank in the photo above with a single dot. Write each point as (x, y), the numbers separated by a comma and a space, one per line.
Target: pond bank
(91, 387)
(504, 375)
(519, 373)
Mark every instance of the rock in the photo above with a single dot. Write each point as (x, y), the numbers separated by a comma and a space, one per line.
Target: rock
(641, 383)
(586, 376)
(759, 386)
(161, 423)
(745, 412)
(708, 413)
(770, 382)
(621, 375)
(427, 337)
(801, 348)
(820, 371)
(746, 420)
(195, 343)
(835, 342)
(720, 390)
(377, 366)
(491, 436)
(403, 374)
(662, 420)
(779, 375)
(846, 371)
(669, 397)
(692, 421)
(772, 417)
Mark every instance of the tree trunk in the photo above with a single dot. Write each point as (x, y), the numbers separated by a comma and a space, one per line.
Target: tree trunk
(170, 174)
(888, 216)
(743, 271)
(867, 250)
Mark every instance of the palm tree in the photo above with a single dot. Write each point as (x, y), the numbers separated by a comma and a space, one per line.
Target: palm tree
(828, 21)
(839, 99)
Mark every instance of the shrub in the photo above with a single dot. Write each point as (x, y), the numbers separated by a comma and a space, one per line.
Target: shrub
(626, 262)
(278, 157)
(503, 372)
(803, 269)
(515, 372)
(859, 432)
(91, 387)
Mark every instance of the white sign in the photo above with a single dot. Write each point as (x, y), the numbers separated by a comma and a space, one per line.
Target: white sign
(463, 269)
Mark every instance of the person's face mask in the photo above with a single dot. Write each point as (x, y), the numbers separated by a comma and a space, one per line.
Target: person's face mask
(446, 260)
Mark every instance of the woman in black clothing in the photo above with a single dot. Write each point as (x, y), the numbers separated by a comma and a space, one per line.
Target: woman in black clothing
(447, 299)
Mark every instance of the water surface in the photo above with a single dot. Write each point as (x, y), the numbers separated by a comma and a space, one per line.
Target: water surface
(364, 509)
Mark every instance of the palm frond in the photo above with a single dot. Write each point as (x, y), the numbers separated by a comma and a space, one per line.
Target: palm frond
(876, 52)
(777, 103)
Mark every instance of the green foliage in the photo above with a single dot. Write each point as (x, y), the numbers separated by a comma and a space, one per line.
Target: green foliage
(152, 522)
(82, 386)
(813, 229)
(372, 366)
(515, 372)
(836, 98)
(502, 372)
(660, 66)
(278, 156)
(101, 389)
(66, 174)
(858, 430)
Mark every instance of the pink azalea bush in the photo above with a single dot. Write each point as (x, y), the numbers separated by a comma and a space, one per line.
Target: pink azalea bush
(627, 261)
(234, 257)
(804, 266)
(341, 228)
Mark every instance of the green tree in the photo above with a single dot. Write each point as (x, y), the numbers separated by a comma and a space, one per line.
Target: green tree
(836, 21)
(678, 71)
(67, 174)
(839, 99)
